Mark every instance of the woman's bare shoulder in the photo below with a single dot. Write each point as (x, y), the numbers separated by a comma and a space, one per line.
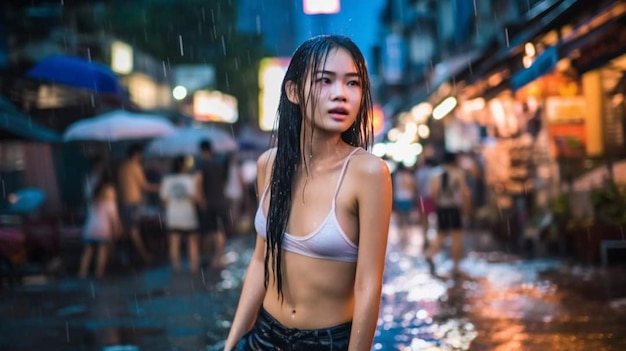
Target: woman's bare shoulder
(266, 158)
(264, 164)
(366, 164)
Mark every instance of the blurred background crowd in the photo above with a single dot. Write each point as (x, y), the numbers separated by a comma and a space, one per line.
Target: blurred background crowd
(528, 94)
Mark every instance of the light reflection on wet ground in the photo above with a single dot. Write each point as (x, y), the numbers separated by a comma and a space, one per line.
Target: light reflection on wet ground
(503, 303)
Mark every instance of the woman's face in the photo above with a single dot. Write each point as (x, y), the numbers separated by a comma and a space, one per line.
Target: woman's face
(334, 97)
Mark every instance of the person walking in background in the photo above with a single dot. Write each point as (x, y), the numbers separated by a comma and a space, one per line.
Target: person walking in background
(234, 192)
(213, 209)
(314, 281)
(179, 196)
(425, 203)
(101, 227)
(449, 189)
(132, 184)
(248, 177)
(96, 171)
(404, 191)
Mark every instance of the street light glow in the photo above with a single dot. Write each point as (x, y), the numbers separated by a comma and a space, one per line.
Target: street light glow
(179, 92)
(445, 107)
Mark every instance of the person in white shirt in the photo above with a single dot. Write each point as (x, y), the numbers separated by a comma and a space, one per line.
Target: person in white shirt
(179, 196)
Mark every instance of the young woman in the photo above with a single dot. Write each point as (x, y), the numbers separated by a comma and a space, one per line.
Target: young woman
(179, 196)
(101, 227)
(314, 281)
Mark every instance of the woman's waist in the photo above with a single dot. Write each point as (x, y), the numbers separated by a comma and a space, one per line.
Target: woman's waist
(336, 331)
(307, 314)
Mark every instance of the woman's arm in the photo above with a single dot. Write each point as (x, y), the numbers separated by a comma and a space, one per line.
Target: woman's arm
(116, 223)
(252, 295)
(253, 290)
(374, 211)
(200, 200)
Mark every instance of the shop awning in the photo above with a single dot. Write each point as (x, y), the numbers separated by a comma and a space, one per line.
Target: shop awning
(544, 64)
(597, 40)
(599, 44)
(551, 15)
(15, 125)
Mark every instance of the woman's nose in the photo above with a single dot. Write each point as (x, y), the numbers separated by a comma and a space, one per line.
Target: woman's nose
(338, 91)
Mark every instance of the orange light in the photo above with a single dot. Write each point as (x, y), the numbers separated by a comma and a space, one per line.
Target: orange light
(378, 119)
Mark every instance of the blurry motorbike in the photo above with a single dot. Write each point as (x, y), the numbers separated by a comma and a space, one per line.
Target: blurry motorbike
(28, 241)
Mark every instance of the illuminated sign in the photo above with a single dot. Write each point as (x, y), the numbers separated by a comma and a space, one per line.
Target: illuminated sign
(319, 7)
(271, 74)
(121, 57)
(214, 106)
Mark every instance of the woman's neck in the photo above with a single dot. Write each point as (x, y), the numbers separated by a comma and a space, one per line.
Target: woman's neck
(320, 148)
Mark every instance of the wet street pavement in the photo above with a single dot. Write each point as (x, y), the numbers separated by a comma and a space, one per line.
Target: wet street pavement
(502, 303)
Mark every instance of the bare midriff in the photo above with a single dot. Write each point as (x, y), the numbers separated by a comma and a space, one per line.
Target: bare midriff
(314, 298)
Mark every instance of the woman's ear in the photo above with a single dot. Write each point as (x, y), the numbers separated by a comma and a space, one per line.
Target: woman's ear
(292, 92)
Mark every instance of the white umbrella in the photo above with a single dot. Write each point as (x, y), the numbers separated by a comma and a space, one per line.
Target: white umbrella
(186, 142)
(119, 125)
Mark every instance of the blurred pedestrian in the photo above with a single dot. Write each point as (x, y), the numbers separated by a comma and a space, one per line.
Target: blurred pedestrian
(404, 191)
(102, 226)
(96, 170)
(425, 203)
(449, 189)
(248, 176)
(214, 215)
(179, 196)
(132, 185)
(314, 281)
(234, 192)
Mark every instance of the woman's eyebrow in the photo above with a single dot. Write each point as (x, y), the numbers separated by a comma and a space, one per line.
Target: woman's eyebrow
(349, 74)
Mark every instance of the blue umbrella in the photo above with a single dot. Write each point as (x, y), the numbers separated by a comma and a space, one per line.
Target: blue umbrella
(77, 72)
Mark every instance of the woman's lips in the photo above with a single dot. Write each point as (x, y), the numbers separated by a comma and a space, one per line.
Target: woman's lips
(338, 114)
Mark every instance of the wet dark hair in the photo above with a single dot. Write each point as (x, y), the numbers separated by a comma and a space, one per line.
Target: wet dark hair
(178, 164)
(449, 158)
(133, 150)
(306, 60)
(206, 145)
(105, 181)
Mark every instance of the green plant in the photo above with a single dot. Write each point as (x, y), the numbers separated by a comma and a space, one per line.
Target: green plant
(609, 204)
(559, 205)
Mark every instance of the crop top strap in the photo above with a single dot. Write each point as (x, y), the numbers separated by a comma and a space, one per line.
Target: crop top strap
(265, 191)
(343, 172)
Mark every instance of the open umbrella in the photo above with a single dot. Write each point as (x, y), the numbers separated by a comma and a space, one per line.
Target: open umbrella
(119, 125)
(77, 72)
(186, 141)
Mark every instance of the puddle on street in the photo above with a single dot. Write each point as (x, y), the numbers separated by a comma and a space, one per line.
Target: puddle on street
(502, 304)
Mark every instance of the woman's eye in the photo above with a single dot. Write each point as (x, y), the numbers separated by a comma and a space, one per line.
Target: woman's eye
(354, 83)
(324, 80)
